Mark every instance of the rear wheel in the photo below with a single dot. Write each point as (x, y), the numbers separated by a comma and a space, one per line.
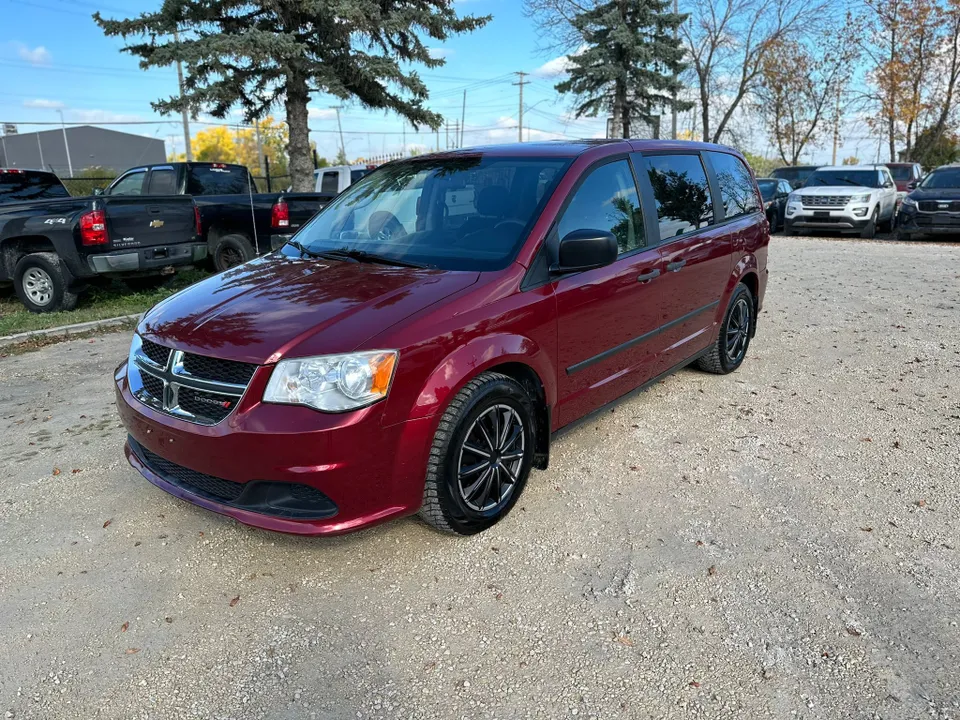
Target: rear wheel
(481, 456)
(42, 283)
(730, 347)
(231, 250)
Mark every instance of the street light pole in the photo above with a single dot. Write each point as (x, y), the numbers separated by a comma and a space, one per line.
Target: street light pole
(66, 145)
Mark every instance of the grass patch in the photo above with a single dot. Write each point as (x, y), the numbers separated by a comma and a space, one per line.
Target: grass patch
(100, 302)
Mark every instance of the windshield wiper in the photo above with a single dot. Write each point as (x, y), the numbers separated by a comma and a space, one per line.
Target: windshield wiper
(303, 250)
(369, 257)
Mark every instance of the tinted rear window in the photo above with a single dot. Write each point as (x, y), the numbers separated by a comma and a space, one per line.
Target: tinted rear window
(737, 190)
(223, 180)
(21, 186)
(901, 172)
(683, 197)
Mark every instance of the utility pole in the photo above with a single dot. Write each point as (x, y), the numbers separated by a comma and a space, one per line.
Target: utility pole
(446, 131)
(456, 133)
(521, 84)
(836, 127)
(66, 145)
(438, 139)
(256, 125)
(463, 116)
(343, 149)
(183, 113)
(39, 147)
(673, 116)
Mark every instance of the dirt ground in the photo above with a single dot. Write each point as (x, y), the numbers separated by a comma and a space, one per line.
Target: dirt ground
(777, 543)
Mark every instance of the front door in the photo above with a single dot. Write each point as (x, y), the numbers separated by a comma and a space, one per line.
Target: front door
(607, 316)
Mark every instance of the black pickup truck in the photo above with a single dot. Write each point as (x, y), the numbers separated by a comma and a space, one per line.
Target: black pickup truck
(236, 221)
(52, 245)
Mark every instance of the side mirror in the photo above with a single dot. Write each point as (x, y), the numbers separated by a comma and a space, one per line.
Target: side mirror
(796, 184)
(98, 191)
(585, 250)
(912, 185)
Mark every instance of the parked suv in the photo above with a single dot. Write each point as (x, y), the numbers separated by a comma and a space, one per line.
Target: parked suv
(905, 175)
(846, 198)
(796, 175)
(933, 208)
(416, 344)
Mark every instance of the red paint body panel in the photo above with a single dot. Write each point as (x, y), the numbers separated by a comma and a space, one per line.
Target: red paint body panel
(448, 327)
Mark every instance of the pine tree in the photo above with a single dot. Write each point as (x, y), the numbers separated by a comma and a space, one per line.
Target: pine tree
(629, 62)
(258, 53)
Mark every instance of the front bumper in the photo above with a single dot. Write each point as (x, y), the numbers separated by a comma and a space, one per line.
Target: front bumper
(932, 223)
(362, 472)
(836, 220)
(146, 259)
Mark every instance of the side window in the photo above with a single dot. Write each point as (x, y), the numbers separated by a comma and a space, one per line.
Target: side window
(683, 197)
(786, 188)
(330, 182)
(607, 200)
(736, 185)
(131, 184)
(162, 181)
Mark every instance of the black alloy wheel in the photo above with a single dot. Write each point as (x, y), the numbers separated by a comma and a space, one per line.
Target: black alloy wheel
(737, 335)
(491, 455)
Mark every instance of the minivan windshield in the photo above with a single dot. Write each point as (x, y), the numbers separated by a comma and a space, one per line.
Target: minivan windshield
(860, 178)
(469, 212)
(901, 172)
(943, 179)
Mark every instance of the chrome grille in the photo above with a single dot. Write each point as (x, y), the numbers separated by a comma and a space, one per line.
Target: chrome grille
(192, 387)
(837, 201)
(932, 206)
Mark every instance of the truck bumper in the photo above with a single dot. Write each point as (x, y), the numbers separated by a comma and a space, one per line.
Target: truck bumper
(146, 259)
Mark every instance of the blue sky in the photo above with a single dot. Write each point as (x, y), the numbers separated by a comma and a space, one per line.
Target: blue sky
(55, 58)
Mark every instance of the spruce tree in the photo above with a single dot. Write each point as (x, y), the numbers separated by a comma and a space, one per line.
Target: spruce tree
(258, 53)
(629, 61)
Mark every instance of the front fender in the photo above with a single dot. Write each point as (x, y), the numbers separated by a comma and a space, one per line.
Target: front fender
(473, 358)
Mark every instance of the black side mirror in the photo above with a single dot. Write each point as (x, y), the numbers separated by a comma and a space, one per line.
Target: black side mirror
(912, 185)
(585, 250)
(98, 191)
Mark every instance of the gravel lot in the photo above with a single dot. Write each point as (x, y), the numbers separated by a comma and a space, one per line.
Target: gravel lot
(781, 542)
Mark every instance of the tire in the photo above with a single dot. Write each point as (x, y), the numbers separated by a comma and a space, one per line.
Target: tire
(904, 236)
(150, 282)
(230, 251)
(887, 225)
(452, 501)
(740, 318)
(772, 219)
(870, 230)
(42, 283)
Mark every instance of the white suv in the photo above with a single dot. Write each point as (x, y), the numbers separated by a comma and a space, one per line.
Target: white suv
(848, 198)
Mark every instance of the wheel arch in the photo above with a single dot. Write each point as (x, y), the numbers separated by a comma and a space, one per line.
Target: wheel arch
(14, 248)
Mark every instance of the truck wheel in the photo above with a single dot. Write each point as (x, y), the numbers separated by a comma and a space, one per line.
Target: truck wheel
(42, 283)
(230, 251)
(151, 282)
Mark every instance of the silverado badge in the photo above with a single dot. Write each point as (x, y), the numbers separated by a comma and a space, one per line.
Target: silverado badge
(156, 223)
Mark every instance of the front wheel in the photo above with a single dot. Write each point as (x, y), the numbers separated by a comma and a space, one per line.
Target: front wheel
(730, 348)
(870, 230)
(481, 456)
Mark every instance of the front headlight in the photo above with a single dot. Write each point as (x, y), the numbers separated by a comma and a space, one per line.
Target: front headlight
(865, 198)
(333, 383)
(793, 198)
(909, 201)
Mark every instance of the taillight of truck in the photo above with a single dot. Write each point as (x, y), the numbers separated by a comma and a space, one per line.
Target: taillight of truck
(196, 220)
(280, 215)
(93, 228)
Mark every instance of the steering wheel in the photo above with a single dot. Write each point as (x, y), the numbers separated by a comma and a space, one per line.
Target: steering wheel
(383, 225)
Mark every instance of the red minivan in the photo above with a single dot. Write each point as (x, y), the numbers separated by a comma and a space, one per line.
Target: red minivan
(415, 345)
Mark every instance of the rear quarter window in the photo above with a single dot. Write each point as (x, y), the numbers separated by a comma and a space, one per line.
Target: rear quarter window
(218, 180)
(737, 190)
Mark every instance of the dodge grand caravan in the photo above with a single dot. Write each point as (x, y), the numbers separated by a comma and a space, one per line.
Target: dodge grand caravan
(416, 344)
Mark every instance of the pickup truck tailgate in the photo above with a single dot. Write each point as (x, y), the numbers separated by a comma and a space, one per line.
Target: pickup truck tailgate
(136, 221)
(303, 208)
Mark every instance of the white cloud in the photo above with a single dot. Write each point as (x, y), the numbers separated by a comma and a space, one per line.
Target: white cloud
(43, 104)
(95, 116)
(439, 53)
(37, 56)
(321, 113)
(558, 66)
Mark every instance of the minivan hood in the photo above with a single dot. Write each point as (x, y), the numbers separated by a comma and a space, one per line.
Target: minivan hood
(834, 190)
(277, 307)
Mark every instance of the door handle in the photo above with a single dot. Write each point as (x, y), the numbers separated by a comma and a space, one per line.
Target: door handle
(676, 266)
(648, 276)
